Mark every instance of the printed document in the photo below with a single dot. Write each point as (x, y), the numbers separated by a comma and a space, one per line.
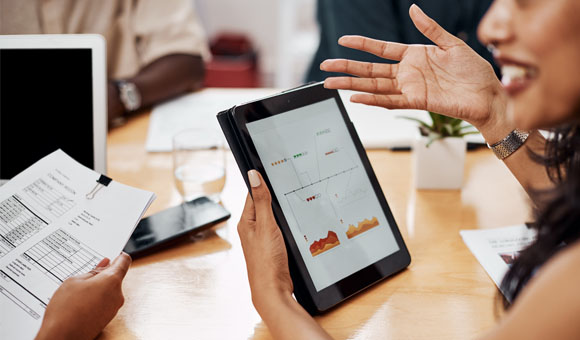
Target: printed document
(51, 230)
(496, 249)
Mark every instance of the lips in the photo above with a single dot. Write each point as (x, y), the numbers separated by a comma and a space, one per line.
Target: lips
(516, 78)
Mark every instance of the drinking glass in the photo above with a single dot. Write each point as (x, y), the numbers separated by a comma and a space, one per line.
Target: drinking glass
(199, 164)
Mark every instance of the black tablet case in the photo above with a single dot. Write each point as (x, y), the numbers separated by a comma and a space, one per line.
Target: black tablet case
(231, 132)
(226, 121)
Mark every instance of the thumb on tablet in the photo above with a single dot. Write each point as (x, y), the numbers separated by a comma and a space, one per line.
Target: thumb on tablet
(261, 196)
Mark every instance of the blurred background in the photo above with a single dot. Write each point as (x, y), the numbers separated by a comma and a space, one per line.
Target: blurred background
(283, 34)
(273, 43)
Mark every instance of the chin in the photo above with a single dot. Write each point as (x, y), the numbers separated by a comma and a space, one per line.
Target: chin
(533, 117)
(527, 112)
(531, 109)
(526, 120)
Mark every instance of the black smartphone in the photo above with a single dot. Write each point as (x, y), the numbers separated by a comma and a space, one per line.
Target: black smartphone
(158, 230)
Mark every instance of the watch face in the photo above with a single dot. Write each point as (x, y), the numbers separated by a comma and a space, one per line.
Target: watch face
(130, 96)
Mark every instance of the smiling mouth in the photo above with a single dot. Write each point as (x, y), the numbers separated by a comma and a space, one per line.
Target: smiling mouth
(517, 78)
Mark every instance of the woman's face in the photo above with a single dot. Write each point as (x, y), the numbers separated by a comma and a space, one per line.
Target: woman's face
(537, 45)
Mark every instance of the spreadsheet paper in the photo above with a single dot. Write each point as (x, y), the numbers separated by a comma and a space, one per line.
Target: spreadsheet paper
(50, 230)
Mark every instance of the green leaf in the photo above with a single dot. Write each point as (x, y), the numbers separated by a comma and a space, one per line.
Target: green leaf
(456, 122)
(436, 118)
(442, 126)
(433, 138)
(422, 123)
(448, 130)
(456, 130)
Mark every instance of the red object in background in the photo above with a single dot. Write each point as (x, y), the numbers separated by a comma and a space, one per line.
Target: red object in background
(234, 62)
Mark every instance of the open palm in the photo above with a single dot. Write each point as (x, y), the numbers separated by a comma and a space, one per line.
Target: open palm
(449, 78)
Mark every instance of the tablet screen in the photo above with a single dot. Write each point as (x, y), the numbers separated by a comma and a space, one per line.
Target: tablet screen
(327, 198)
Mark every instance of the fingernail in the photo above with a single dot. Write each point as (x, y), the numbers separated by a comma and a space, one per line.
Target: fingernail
(103, 263)
(416, 8)
(254, 178)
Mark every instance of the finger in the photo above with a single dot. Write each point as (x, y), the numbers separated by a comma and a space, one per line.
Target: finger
(249, 212)
(372, 85)
(119, 266)
(360, 69)
(98, 268)
(383, 49)
(431, 29)
(104, 262)
(248, 219)
(386, 101)
(261, 196)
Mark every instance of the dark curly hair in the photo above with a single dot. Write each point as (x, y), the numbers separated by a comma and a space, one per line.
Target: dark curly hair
(557, 216)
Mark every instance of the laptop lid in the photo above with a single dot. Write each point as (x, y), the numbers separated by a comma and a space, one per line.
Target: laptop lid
(52, 95)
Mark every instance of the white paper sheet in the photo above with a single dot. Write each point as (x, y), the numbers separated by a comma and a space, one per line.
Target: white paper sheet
(50, 231)
(377, 127)
(495, 249)
(195, 110)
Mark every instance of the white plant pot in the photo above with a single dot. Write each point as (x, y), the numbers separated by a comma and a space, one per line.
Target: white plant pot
(441, 165)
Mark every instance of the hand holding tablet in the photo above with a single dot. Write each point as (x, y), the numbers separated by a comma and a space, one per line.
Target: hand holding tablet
(340, 234)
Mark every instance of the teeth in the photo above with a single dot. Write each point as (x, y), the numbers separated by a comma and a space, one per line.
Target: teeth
(511, 73)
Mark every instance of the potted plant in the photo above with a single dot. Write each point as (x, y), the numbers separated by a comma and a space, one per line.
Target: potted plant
(439, 152)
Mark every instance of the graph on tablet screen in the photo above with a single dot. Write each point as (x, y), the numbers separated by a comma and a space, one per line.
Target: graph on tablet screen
(323, 190)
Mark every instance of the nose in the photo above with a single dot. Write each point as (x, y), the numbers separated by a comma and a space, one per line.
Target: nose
(496, 26)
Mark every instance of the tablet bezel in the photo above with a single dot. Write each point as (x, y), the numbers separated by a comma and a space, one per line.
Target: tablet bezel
(350, 285)
(94, 42)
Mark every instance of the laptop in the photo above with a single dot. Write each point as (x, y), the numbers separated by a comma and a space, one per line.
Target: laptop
(52, 95)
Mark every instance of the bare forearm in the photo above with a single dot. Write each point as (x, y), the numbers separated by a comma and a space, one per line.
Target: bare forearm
(531, 174)
(168, 77)
(286, 319)
(164, 78)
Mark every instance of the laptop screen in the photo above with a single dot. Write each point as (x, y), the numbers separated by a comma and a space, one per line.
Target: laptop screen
(46, 103)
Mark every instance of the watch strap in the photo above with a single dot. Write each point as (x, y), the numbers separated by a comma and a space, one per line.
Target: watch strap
(512, 142)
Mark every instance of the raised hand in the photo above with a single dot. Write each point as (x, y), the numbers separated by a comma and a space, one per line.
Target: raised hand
(449, 78)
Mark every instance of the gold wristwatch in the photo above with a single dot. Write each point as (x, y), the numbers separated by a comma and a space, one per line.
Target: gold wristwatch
(509, 144)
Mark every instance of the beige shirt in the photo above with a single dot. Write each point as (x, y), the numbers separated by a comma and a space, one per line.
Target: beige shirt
(137, 31)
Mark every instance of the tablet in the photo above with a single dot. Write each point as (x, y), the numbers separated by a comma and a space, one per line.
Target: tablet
(338, 228)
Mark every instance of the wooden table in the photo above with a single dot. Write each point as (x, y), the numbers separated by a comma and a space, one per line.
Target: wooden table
(198, 289)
